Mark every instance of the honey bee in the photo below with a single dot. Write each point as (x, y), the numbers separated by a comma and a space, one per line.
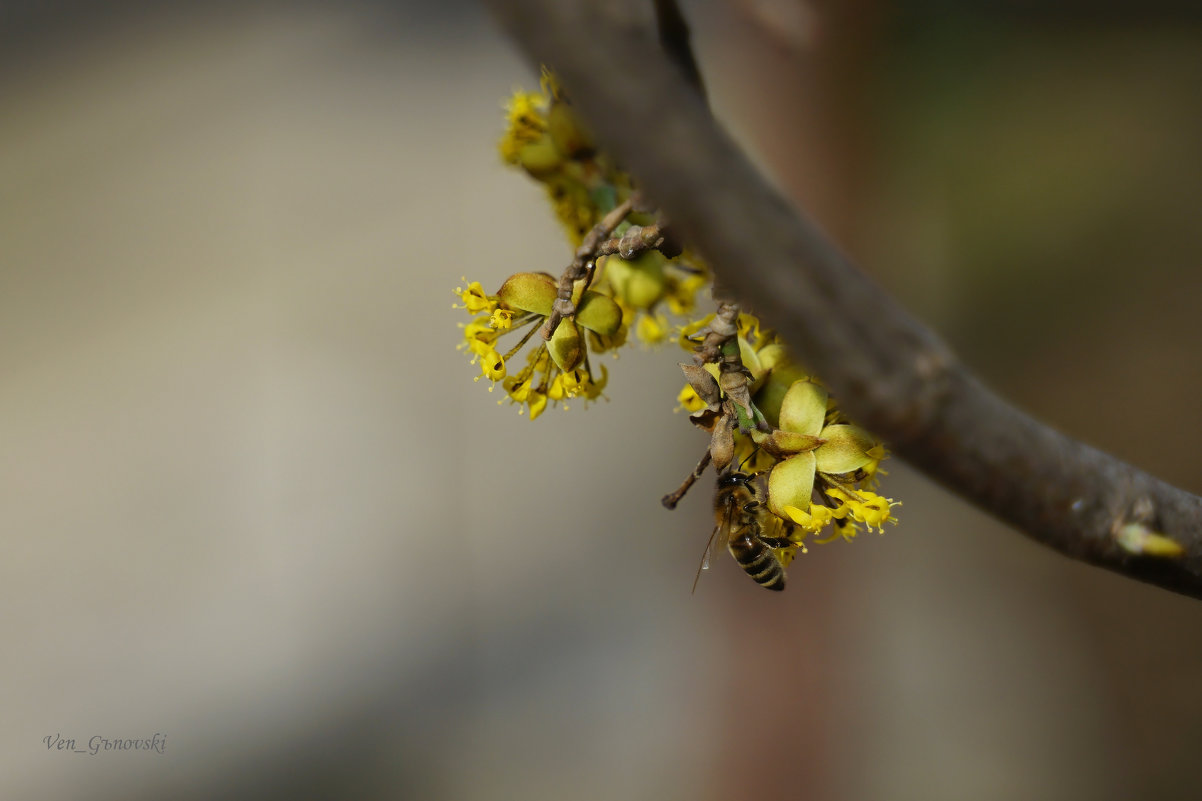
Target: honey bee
(743, 523)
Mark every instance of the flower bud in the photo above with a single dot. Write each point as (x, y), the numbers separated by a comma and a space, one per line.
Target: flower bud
(638, 282)
(529, 292)
(566, 346)
(540, 158)
(599, 313)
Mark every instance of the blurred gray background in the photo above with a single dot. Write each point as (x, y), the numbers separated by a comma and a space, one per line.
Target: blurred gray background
(252, 500)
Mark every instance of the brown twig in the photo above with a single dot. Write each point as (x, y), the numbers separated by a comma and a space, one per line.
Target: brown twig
(637, 240)
(670, 500)
(727, 400)
(582, 264)
(892, 375)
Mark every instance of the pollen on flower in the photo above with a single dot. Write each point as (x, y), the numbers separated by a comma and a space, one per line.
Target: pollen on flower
(502, 318)
(874, 511)
(566, 385)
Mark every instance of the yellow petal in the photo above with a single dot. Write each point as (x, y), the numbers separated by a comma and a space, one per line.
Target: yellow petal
(773, 356)
(804, 408)
(538, 402)
(791, 483)
(751, 359)
(846, 449)
(492, 365)
(652, 329)
(792, 442)
(770, 395)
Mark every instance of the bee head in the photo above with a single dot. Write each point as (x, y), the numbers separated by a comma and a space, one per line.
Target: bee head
(736, 479)
(736, 490)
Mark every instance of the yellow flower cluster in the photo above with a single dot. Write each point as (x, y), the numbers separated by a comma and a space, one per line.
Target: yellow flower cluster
(819, 465)
(765, 413)
(545, 137)
(555, 370)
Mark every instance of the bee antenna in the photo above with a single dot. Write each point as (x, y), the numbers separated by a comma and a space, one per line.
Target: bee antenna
(754, 451)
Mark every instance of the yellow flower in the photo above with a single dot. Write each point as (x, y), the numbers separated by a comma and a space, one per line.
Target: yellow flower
(567, 385)
(502, 318)
(791, 482)
(573, 206)
(478, 336)
(652, 329)
(492, 366)
(520, 388)
(872, 510)
(681, 293)
(749, 326)
(594, 387)
(555, 370)
(813, 520)
(526, 123)
(812, 447)
(689, 400)
(474, 299)
(684, 337)
(537, 403)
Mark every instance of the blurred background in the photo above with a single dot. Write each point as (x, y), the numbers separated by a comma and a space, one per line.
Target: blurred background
(251, 499)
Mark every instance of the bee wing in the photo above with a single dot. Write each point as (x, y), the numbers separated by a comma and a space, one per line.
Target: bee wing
(705, 559)
(717, 541)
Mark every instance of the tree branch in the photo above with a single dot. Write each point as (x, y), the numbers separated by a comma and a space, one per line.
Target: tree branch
(891, 374)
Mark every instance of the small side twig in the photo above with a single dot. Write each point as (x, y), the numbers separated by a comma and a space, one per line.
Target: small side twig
(637, 240)
(670, 500)
(582, 264)
(721, 346)
(728, 400)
